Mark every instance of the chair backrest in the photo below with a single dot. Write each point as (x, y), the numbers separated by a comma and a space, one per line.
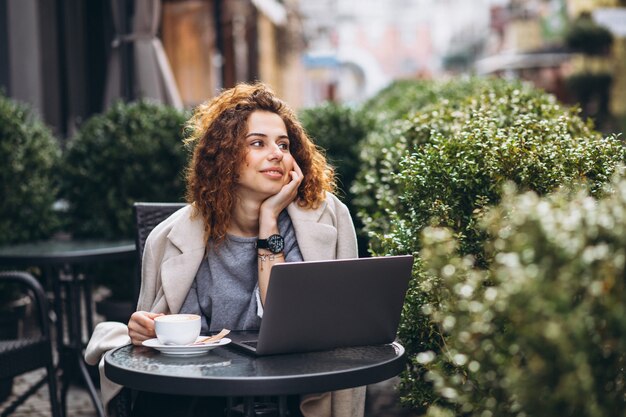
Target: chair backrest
(147, 216)
(32, 350)
(27, 282)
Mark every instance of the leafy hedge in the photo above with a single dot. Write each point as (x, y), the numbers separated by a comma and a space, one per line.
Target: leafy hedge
(403, 97)
(445, 166)
(133, 152)
(542, 332)
(29, 161)
(339, 130)
(396, 132)
(455, 154)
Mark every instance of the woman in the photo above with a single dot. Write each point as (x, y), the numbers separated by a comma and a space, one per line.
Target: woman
(259, 193)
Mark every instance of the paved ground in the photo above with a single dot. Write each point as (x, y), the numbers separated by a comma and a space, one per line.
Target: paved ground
(78, 401)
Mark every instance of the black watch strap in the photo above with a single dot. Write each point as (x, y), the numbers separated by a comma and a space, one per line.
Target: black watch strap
(274, 243)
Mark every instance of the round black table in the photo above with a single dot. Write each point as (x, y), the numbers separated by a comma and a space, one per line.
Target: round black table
(73, 306)
(225, 372)
(64, 251)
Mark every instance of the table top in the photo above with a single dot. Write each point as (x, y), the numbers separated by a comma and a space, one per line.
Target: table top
(64, 250)
(224, 371)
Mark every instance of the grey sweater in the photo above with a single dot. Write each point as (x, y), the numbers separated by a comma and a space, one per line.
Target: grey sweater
(225, 292)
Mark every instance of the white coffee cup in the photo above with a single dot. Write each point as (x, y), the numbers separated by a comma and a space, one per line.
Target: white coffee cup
(177, 329)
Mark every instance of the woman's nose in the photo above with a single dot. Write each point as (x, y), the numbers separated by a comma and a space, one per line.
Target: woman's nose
(276, 153)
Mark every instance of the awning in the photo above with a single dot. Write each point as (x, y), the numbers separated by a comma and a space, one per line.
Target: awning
(153, 75)
(506, 62)
(273, 10)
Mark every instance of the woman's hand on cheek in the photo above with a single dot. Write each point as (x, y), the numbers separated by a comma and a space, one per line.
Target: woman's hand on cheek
(277, 203)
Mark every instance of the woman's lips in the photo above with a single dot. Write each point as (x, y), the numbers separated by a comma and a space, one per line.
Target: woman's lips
(273, 173)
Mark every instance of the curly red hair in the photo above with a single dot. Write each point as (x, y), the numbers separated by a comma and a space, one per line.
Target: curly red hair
(217, 131)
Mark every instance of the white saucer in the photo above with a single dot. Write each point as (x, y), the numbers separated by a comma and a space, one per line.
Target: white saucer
(185, 350)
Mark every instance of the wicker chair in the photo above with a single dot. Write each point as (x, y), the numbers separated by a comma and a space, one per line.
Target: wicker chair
(27, 354)
(147, 216)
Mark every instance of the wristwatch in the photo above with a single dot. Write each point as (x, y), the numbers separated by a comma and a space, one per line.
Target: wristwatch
(274, 243)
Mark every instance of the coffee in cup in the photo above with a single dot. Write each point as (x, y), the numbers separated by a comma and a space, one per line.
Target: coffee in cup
(177, 329)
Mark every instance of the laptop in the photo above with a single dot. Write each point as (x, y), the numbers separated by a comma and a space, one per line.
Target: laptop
(321, 305)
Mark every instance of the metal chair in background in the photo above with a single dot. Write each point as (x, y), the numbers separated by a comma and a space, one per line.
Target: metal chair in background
(33, 351)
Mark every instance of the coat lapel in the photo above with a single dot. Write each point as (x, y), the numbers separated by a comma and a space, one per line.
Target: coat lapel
(179, 270)
(316, 235)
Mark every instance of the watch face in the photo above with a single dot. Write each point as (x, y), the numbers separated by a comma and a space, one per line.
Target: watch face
(275, 243)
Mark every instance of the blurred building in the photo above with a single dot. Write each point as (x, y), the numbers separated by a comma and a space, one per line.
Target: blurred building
(70, 59)
(356, 47)
(610, 14)
(213, 44)
(577, 7)
(614, 18)
(528, 42)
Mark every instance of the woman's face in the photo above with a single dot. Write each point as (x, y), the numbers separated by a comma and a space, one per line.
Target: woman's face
(268, 160)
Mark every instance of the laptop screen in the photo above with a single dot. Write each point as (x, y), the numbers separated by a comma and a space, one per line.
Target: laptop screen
(328, 304)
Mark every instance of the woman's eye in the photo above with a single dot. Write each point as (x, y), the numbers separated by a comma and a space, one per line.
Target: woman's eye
(257, 143)
(284, 146)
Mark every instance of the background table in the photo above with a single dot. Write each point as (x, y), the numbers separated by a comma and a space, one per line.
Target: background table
(60, 262)
(225, 372)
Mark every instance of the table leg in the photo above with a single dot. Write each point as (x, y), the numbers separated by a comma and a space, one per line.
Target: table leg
(58, 308)
(73, 310)
(248, 407)
(230, 404)
(65, 385)
(74, 296)
(87, 291)
(91, 388)
(283, 411)
(65, 323)
(53, 276)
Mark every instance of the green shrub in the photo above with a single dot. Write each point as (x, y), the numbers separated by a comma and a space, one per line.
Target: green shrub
(396, 132)
(399, 98)
(133, 152)
(339, 130)
(542, 332)
(446, 165)
(404, 97)
(454, 155)
(517, 135)
(29, 162)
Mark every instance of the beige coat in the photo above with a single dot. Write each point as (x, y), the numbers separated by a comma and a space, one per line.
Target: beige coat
(172, 256)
